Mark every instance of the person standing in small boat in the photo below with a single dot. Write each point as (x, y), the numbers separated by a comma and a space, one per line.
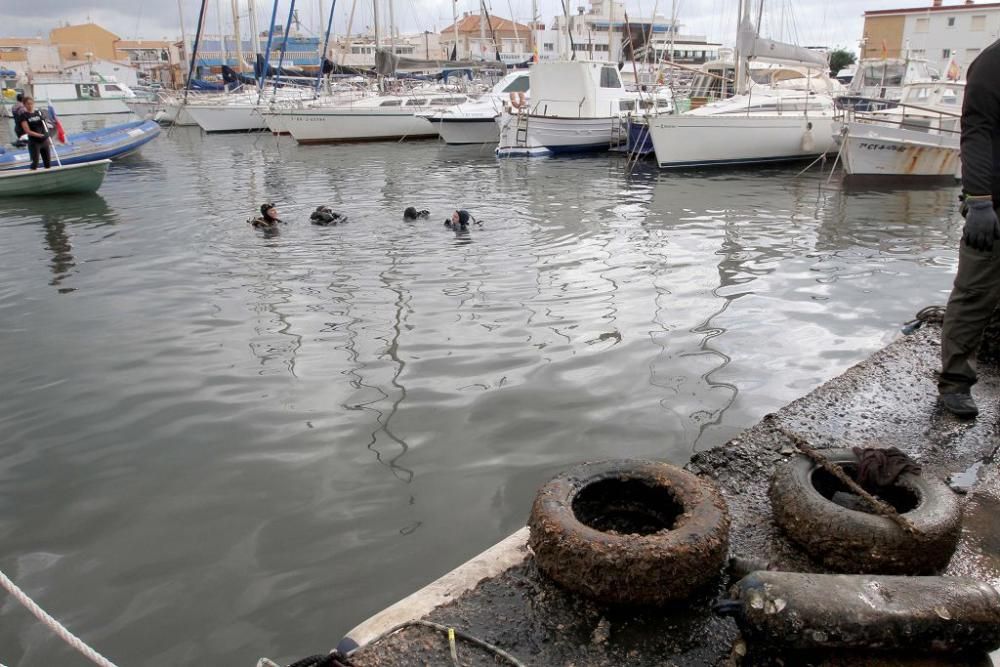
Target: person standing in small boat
(33, 125)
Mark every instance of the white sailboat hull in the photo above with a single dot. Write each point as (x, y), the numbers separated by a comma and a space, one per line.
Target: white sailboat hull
(697, 141)
(880, 150)
(548, 135)
(175, 114)
(311, 126)
(144, 109)
(227, 117)
(467, 130)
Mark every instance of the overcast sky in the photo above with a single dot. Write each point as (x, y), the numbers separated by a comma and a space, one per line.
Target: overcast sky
(812, 22)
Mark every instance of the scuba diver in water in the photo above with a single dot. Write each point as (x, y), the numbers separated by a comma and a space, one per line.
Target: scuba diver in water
(268, 220)
(324, 216)
(411, 214)
(460, 220)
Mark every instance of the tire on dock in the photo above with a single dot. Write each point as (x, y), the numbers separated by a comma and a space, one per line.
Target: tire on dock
(854, 541)
(630, 532)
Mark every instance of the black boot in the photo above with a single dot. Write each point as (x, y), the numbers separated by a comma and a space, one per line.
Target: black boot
(960, 405)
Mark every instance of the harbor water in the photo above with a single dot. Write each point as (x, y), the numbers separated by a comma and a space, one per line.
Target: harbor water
(217, 446)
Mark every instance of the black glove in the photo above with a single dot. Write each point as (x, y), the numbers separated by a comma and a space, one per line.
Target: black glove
(982, 228)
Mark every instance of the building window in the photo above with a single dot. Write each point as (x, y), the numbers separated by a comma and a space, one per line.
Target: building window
(548, 46)
(946, 53)
(918, 53)
(951, 21)
(923, 25)
(978, 23)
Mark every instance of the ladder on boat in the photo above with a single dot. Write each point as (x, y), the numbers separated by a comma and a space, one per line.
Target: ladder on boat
(617, 132)
(521, 129)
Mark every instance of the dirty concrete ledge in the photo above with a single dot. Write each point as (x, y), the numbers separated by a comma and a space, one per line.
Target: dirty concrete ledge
(886, 400)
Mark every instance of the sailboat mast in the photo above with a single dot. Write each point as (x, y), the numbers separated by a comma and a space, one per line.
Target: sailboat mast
(737, 56)
(254, 29)
(378, 30)
(454, 15)
(184, 41)
(482, 30)
(534, 30)
(392, 27)
(239, 36)
(223, 49)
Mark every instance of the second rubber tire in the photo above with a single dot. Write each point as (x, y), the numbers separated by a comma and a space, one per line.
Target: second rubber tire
(853, 541)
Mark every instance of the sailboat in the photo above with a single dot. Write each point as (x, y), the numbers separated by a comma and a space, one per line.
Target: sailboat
(780, 113)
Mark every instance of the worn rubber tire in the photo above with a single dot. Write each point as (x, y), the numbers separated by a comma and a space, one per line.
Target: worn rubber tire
(850, 541)
(654, 569)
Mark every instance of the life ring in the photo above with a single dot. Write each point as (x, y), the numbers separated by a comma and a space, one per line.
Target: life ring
(850, 540)
(630, 532)
(518, 100)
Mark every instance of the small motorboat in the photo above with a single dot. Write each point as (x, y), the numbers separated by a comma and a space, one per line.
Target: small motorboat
(109, 143)
(63, 180)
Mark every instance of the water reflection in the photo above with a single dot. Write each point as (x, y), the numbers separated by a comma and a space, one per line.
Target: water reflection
(58, 216)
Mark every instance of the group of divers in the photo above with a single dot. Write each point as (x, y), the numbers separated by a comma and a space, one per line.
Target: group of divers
(269, 222)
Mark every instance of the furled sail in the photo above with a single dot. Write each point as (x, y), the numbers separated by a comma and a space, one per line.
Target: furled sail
(387, 63)
(754, 47)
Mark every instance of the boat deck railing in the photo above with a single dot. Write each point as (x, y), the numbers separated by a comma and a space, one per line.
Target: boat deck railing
(935, 118)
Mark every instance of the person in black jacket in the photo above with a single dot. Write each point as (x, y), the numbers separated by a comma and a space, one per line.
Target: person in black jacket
(33, 124)
(976, 293)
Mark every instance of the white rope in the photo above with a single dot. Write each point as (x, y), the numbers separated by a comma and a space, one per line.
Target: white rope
(53, 624)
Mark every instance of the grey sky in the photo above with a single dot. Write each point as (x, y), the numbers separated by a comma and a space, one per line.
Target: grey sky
(813, 22)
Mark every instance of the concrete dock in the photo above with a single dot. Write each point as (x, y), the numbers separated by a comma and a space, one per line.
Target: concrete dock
(888, 399)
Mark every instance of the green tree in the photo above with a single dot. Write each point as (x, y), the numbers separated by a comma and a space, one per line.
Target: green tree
(839, 59)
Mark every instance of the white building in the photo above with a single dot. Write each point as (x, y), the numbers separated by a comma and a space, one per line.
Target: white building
(935, 32)
(600, 32)
(111, 70)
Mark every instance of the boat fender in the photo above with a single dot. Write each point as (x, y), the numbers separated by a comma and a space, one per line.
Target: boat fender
(804, 611)
(518, 100)
(630, 532)
(808, 140)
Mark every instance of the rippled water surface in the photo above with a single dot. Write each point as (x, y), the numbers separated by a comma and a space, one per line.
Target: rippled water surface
(216, 446)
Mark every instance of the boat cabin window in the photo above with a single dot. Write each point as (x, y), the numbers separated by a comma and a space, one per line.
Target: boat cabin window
(391, 103)
(416, 102)
(626, 105)
(447, 101)
(918, 95)
(518, 85)
(609, 78)
(950, 97)
(112, 88)
(879, 74)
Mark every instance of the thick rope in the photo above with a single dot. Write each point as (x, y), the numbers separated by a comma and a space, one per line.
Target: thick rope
(53, 624)
(878, 506)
